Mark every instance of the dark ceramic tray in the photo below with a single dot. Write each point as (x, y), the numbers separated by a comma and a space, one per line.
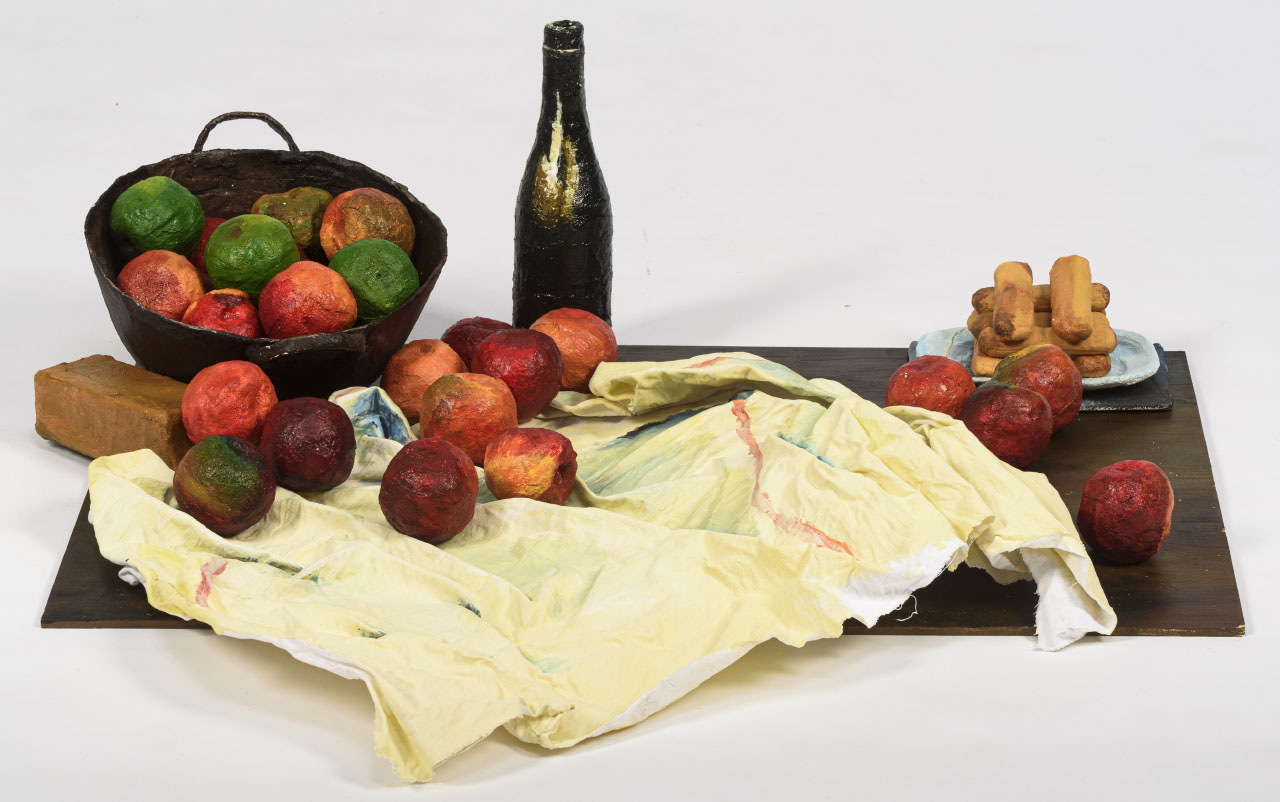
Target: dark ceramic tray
(1189, 588)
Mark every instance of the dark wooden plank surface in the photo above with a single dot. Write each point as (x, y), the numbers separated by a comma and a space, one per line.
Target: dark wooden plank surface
(1188, 588)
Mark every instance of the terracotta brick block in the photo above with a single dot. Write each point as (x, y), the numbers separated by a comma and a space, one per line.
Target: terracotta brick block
(98, 406)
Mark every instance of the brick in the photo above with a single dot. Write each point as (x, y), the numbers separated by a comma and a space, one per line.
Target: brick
(98, 406)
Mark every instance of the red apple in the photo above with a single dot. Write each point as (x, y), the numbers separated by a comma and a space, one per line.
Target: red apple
(930, 382)
(227, 398)
(228, 310)
(429, 490)
(1048, 370)
(161, 281)
(1126, 510)
(530, 463)
(197, 256)
(306, 298)
(528, 362)
(1013, 422)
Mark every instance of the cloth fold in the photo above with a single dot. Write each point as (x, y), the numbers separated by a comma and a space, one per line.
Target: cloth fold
(721, 501)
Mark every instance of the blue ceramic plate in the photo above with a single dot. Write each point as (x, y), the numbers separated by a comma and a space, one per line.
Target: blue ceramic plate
(1134, 360)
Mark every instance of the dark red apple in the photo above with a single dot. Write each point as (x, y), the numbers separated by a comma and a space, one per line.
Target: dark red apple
(1013, 422)
(1126, 510)
(930, 382)
(1048, 370)
(530, 463)
(528, 361)
(469, 332)
(310, 443)
(197, 256)
(429, 490)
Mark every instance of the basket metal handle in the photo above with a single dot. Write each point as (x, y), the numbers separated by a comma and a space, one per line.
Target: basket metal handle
(349, 340)
(245, 115)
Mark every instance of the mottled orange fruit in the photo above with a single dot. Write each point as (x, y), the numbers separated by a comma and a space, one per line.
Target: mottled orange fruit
(306, 298)
(363, 214)
(414, 368)
(468, 410)
(584, 341)
(227, 310)
(530, 463)
(162, 281)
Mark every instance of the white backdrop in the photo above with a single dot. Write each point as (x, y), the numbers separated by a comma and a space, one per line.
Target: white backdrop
(839, 174)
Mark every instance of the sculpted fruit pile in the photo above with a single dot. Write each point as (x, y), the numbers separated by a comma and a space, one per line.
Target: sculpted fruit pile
(1069, 312)
(263, 274)
(247, 442)
(467, 392)
(1126, 509)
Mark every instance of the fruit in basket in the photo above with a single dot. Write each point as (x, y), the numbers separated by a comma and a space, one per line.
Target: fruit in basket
(379, 275)
(157, 214)
(414, 368)
(1049, 371)
(1014, 423)
(246, 251)
(468, 410)
(1126, 510)
(310, 443)
(197, 254)
(584, 341)
(225, 310)
(227, 398)
(530, 463)
(162, 281)
(527, 361)
(301, 209)
(365, 213)
(224, 483)
(930, 382)
(429, 490)
(306, 298)
(469, 332)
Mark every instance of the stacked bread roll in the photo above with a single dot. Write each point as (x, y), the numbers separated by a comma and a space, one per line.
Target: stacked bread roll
(1069, 312)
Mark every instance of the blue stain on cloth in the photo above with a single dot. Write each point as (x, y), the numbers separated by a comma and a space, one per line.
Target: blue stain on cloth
(374, 414)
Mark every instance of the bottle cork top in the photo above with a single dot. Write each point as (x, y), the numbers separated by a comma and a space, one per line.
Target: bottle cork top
(562, 35)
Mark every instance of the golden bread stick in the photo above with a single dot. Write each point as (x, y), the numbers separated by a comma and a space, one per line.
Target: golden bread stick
(1071, 298)
(981, 320)
(983, 365)
(1093, 366)
(1041, 298)
(1012, 314)
(1101, 341)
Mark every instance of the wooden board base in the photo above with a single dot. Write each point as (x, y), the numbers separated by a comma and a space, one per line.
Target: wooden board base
(1189, 588)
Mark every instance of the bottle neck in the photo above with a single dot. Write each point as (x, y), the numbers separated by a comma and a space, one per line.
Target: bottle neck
(563, 94)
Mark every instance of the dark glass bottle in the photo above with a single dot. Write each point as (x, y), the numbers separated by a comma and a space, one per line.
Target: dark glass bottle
(564, 223)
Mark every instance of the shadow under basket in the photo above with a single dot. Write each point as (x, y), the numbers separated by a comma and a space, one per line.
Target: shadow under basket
(227, 182)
